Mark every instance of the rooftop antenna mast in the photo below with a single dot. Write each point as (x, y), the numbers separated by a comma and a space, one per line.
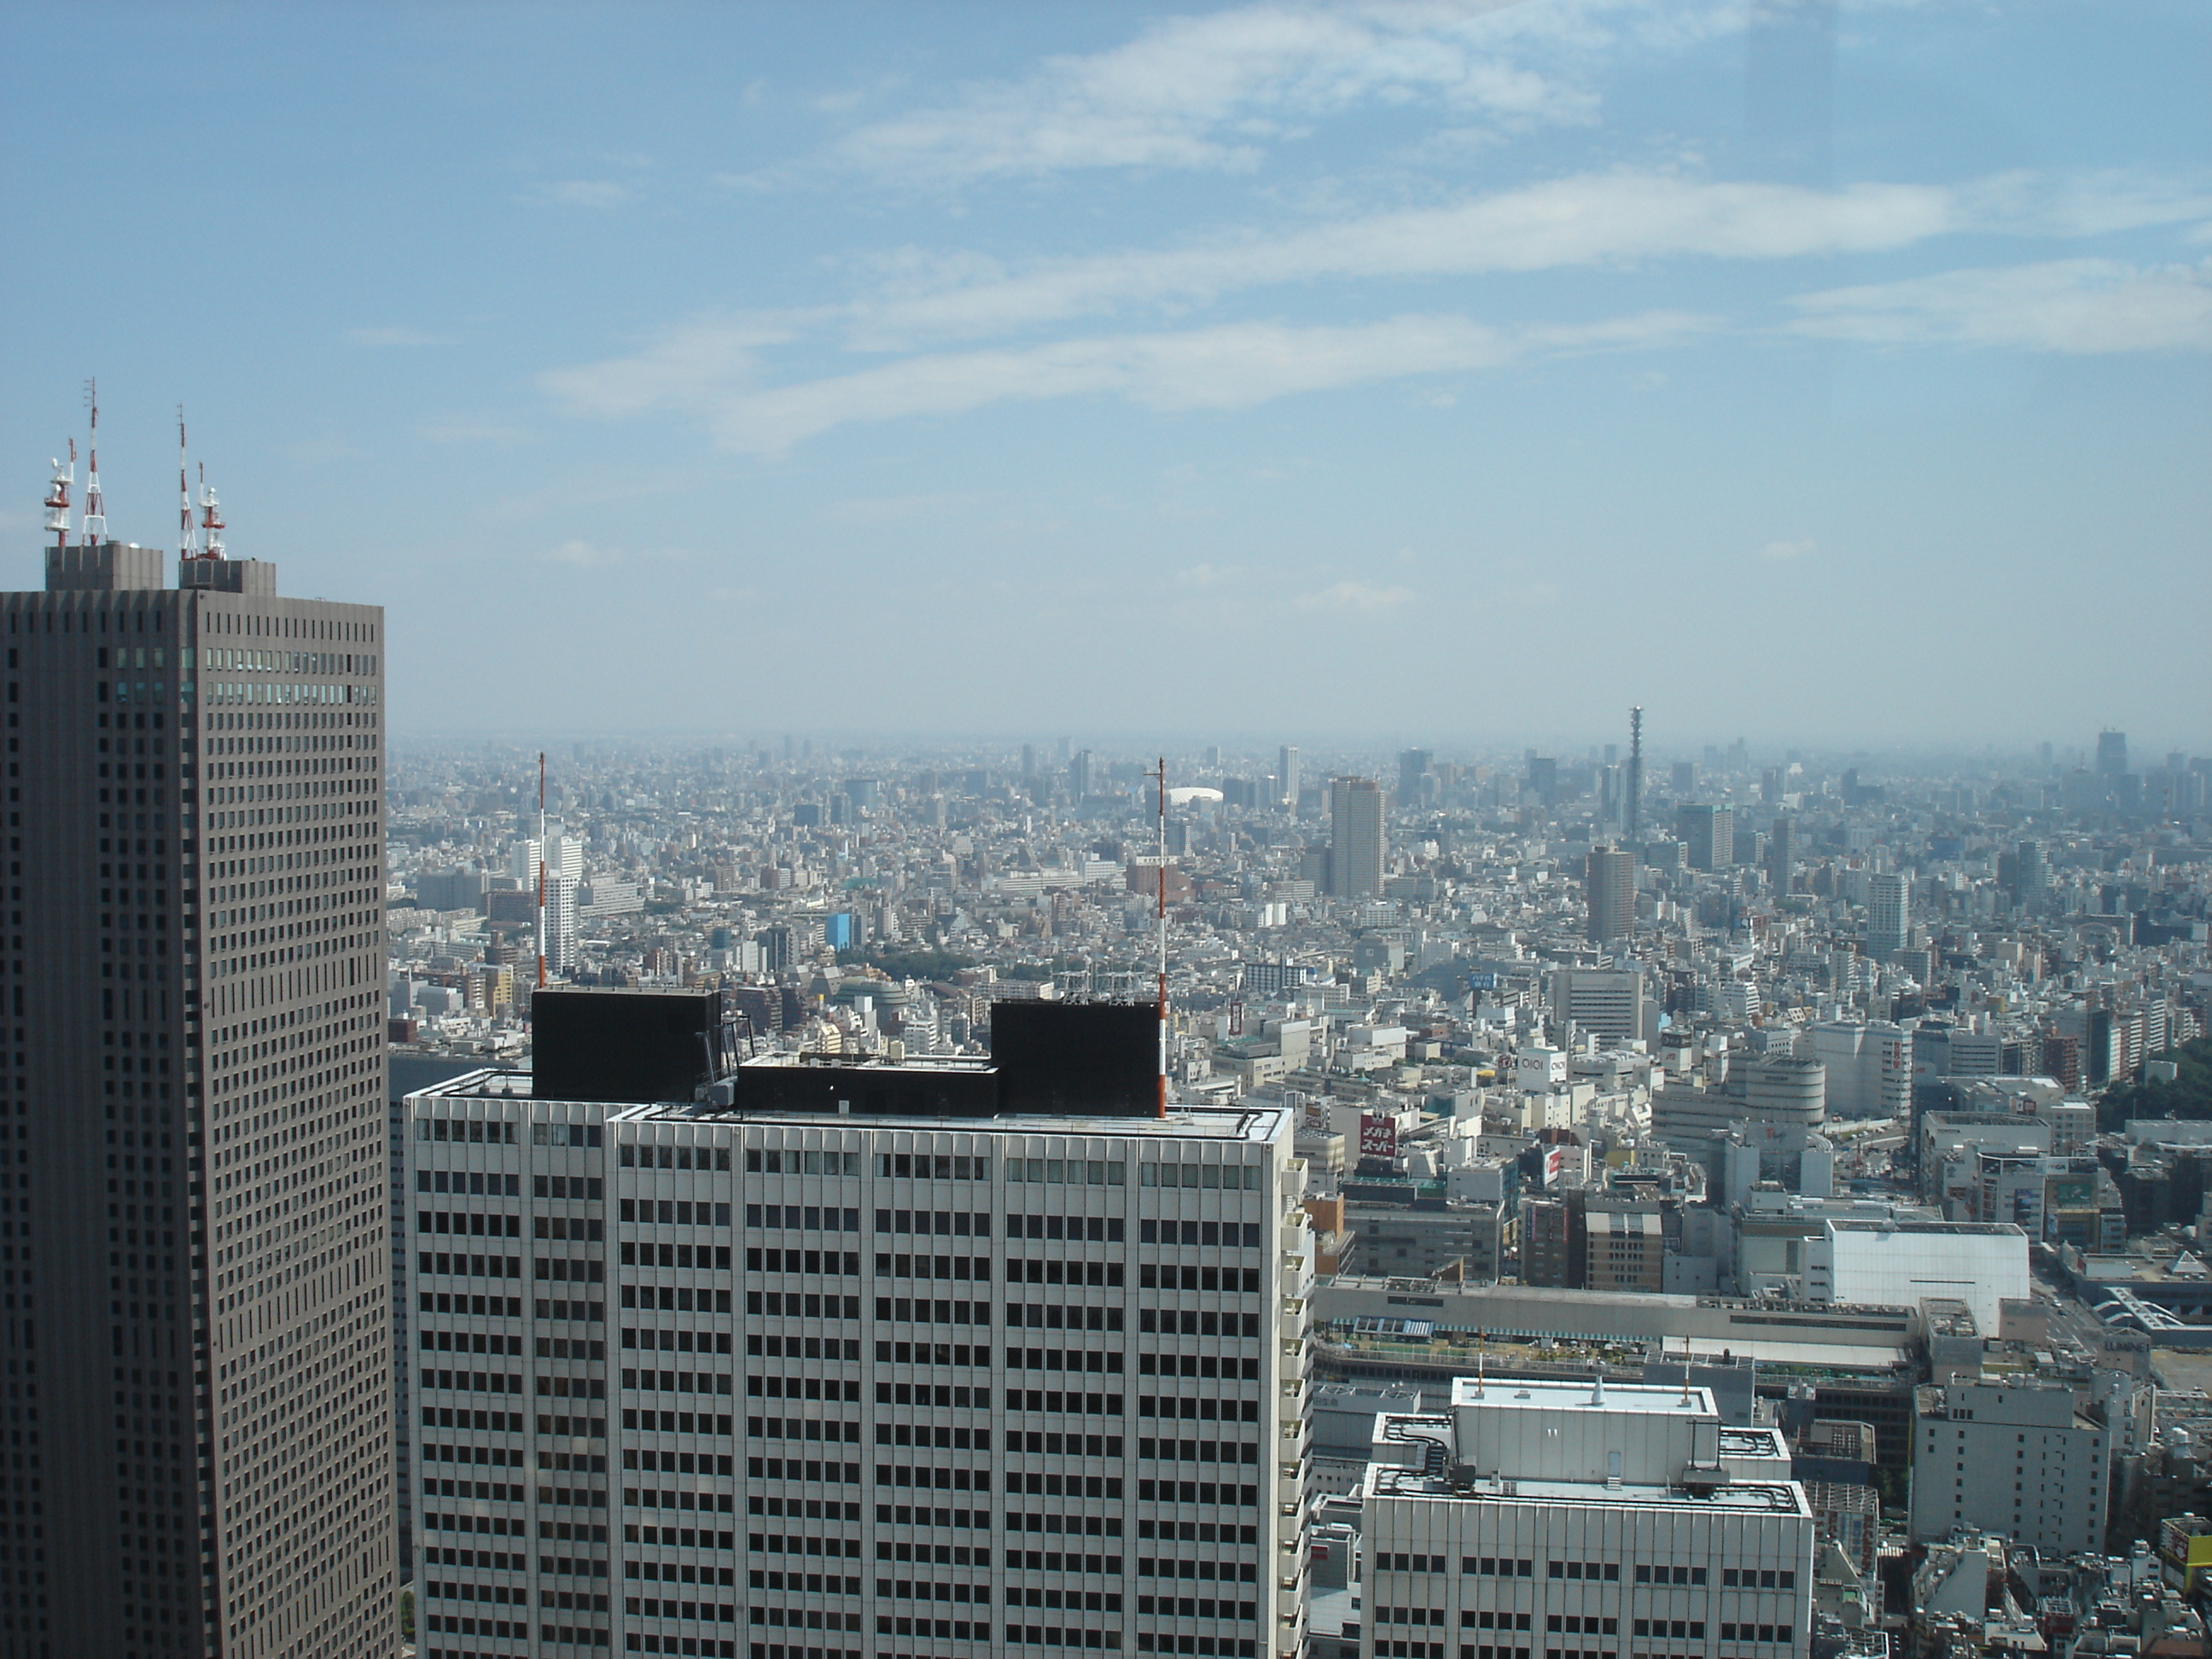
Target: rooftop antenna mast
(541, 869)
(187, 536)
(95, 509)
(1160, 892)
(210, 517)
(57, 499)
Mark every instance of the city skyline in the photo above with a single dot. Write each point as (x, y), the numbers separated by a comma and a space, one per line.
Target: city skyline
(1147, 353)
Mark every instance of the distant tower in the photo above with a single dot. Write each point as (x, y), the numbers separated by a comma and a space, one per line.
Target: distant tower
(1635, 773)
(1355, 818)
(1286, 773)
(1609, 877)
(2111, 754)
(1707, 833)
(1413, 767)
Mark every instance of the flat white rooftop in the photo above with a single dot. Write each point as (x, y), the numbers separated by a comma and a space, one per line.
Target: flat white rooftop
(1640, 1398)
(1258, 1124)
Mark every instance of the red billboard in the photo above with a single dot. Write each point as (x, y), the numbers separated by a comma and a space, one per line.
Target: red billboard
(1378, 1136)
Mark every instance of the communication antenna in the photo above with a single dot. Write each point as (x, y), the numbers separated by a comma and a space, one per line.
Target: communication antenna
(1160, 891)
(541, 869)
(210, 517)
(95, 509)
(57, 499)
(1635, 770)
(187, 536)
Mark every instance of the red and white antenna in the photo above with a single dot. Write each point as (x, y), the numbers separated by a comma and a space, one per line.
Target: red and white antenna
(57, 498)
(541, 869)
(1163, 891)
(187, 536)
(210, 517)
(95, 509)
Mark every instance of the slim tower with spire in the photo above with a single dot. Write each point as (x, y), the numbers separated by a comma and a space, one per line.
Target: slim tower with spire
(1635, 802)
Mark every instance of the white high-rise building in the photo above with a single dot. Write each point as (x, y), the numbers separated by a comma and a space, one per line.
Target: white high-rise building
(1544, 1518)
(1286, 773)
(1612, 1003)
(564, 859)
(1889, 913)
(717, 1379)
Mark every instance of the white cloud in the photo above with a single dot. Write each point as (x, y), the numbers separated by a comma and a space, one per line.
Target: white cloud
(1585, 219)
(1358, 597)
(2075, 305)
(397, 336)
(685, 369)
(1210, 91)
(1230, 366)
(1782, 552)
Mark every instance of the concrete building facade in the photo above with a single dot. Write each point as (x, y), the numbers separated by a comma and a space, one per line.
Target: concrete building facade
(781, 1384)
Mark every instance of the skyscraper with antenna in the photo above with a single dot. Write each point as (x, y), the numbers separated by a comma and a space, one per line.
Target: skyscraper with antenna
(195, 1075)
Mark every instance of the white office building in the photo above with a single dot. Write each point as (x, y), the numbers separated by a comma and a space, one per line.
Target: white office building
(2016, 1460)
(1899, 1263)
(1552, 1518)
(795, 1385)
(1869, 1069)
(1612, 1003)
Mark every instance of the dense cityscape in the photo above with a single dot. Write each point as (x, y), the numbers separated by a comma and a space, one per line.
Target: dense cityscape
(1814, 1035)
(1273, 829)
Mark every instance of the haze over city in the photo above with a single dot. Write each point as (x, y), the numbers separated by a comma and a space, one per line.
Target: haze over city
(1828, 375)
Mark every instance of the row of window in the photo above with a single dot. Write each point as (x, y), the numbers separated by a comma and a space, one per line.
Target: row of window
(674, 1462)
(814, 1387)
(804, 1428)
(1186, 1607)
(678, 1381)
(679, 1341)
(1228, 1367)
(476, 1182)
(676, 1422)
(633, 1254)
(677, 1298)
(1224, 1234)
(1206, 1410)
(1188, 1322)
(773, 1260)
(674, 1211)
(810, 1216)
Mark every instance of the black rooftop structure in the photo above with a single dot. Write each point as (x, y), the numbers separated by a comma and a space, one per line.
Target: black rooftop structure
(1048, 1059)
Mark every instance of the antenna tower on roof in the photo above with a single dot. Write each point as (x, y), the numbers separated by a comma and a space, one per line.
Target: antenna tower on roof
(210, 517)
(95, 509)
(188, 545)
(57, 498)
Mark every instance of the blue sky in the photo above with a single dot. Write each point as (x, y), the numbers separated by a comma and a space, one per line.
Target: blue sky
(1412, 369)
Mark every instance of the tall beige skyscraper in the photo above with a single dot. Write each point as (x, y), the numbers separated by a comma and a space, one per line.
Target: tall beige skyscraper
(1355, 826)
(195, 1239)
